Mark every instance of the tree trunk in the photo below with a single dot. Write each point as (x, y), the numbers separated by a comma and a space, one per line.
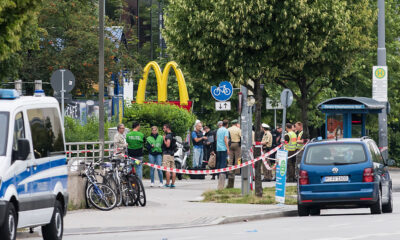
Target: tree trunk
(304, 116)
(258, 136)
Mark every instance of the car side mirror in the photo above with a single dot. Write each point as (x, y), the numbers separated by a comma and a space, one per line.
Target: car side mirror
(391, 162)
(23, 149)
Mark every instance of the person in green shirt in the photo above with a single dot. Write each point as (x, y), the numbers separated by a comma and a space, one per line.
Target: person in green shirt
(136, 140)
(153, 145)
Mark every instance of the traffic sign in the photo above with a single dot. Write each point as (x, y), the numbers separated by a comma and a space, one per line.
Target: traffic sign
(380, 83)
(57, 78)
(223, 106)
(223, 92)
(286, 98)
(271, 104)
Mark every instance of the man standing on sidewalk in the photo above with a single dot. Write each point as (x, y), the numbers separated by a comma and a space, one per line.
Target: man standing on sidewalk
(290, 146)
(198, 138)
(120, 139)
(168, 149)
(135, 140)
(266, 143)
(235, 152)
(222, 145)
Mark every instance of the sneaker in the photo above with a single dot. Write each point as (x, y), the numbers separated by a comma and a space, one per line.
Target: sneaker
(172, 186)
(166, 186)
(151, 184)
(161, 185)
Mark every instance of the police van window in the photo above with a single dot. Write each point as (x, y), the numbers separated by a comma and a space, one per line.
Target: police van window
(19, 131)
(47, 138)
(3, 132)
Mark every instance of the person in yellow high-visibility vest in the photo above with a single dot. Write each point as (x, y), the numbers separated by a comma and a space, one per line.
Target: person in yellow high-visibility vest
(291, 147)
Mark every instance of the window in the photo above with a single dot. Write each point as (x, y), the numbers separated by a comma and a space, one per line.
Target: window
(19, 131)
(3, 132)
(335, 154)
(376, 154)
(46, 128)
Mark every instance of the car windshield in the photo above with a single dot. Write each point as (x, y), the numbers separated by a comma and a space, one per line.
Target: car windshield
(3, 132)
(335, 154)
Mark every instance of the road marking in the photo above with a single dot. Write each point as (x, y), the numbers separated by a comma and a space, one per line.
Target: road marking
(365, 236)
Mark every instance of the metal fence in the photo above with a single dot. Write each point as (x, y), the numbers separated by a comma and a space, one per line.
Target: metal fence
(88, 150)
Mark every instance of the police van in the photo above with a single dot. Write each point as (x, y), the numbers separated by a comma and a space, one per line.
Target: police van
(33, 170)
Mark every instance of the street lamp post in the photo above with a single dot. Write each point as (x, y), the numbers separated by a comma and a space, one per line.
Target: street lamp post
(382, 117)
(101, 76)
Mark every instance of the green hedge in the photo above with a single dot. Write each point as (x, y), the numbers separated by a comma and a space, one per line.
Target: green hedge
(155, 114)
(89, 132)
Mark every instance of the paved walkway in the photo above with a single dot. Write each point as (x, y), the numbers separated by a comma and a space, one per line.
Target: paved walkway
(168, 208)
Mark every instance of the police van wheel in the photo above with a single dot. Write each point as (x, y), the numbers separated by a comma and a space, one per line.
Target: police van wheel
(54, 230)
(8, 231)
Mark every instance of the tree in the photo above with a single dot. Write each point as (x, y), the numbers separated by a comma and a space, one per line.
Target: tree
(68, 32)
(16, 21)
(298, 43)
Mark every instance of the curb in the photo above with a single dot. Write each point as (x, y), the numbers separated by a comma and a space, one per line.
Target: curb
(200, 222)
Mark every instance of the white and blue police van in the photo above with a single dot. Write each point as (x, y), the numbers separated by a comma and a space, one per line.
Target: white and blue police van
(33, 170)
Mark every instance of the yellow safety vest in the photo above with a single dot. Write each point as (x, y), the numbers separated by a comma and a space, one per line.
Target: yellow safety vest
(292, 145)
(300, 145)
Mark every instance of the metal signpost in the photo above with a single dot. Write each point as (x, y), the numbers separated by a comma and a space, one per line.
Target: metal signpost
(286, 100)
(62, 81)
(247, 138)
(382, 117)
(222, 94)
(275, 105)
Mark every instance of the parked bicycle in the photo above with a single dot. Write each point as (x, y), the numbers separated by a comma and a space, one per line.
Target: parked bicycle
(135, 181)
(99, 195)
(116, 176)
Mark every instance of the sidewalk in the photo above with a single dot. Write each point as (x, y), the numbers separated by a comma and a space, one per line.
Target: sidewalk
(172, 208)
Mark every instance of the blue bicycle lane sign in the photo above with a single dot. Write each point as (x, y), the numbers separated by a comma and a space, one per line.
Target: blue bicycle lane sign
(223, 92)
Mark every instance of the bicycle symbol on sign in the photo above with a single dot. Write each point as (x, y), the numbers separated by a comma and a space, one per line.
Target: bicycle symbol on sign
(222, 89)
(223, 92)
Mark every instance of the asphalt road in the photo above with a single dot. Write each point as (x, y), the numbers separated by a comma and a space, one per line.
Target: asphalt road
(349, 224)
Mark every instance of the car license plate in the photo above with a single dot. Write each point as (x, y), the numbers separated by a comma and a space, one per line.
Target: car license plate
(336, 179)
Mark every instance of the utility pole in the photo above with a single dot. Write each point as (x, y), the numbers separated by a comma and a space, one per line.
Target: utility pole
(101, 76)
(246, 122)
(382, 117)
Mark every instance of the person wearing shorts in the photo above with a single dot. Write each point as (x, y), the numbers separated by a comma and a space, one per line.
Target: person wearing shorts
(168, 149)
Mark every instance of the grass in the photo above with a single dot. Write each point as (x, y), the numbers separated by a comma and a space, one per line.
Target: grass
(234, 195)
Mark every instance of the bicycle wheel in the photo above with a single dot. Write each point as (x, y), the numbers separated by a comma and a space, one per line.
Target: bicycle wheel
(138, 185)
(109, 181)
(102, 197)
(217, 91)
(130, 196)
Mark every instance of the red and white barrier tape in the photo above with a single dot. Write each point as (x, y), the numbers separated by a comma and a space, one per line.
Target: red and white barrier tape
(211, 171)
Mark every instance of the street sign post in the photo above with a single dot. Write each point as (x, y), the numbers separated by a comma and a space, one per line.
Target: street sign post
(223, 106)
(274, 105)
(286, 100)
(246, 123)
(62, 81)
(281, 169)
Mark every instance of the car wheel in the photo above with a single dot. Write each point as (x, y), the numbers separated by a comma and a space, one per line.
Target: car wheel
(8, 231)
(303, 211)
(315, 211)
(388, 208)
(376, 208)
(54, 230)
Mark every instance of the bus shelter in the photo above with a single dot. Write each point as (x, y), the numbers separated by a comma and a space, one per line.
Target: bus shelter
(345, 117)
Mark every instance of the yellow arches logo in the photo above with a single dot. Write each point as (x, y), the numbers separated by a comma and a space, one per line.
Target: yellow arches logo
(162, 81)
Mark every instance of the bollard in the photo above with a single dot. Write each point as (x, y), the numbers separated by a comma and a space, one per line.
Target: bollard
(221, 181)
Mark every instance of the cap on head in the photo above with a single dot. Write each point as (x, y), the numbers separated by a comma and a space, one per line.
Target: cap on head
(219, 123)
(234, 121)
(264, 125)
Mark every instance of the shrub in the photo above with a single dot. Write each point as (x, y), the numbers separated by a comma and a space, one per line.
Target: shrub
(89, 132)
(155, 114)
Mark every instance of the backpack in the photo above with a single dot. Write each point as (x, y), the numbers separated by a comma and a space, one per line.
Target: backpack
(173, 146)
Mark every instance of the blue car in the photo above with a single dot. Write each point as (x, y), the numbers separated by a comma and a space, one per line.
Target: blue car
(344, 173)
